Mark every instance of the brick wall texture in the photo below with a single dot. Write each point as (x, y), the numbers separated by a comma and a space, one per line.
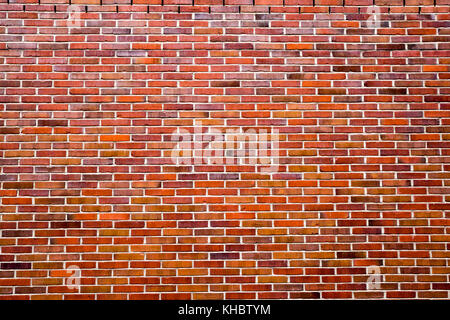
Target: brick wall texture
(108, 110)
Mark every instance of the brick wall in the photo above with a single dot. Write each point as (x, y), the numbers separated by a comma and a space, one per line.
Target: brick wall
(119, 179)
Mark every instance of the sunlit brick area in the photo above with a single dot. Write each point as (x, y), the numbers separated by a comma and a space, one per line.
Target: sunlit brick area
(224, 149)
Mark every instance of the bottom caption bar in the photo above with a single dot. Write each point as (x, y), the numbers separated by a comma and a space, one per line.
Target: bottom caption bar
(221, 309)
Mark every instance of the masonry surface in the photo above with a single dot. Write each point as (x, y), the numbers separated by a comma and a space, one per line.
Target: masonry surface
(93, 205)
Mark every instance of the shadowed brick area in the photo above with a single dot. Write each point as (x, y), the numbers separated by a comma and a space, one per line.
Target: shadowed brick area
(96, 204)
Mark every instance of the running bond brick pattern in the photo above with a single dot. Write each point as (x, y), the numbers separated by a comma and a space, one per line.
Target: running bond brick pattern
(87, 179)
